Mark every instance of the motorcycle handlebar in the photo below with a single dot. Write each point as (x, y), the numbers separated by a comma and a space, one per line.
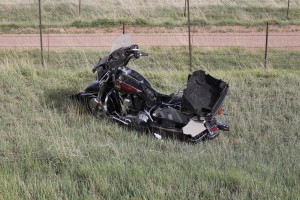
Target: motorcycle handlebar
(131, 53)
(95, 68)
(139, 53)
(143, 54)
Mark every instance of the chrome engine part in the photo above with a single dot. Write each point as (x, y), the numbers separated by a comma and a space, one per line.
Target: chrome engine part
(95, 107)
(142, 117)
(127, 103)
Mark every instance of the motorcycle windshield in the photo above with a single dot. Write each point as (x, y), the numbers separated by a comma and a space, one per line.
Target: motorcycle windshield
(122, 41)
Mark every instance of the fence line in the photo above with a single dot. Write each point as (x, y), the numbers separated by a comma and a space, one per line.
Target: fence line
(209, 59)
(108, 46)
(4, 51)
(80, 3)
(174, 41)
(138, 34)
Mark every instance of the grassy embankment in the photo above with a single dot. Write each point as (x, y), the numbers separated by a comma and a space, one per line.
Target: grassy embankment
(146, 13)
(51, 149)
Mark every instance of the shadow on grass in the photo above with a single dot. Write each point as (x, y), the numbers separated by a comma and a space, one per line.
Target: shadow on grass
(60, 99)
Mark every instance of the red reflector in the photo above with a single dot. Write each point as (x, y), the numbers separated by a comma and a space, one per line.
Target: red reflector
(220, 111)
(214, 129)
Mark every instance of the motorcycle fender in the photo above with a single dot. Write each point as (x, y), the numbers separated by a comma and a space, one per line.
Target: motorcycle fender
(194, 128)
(92, 88)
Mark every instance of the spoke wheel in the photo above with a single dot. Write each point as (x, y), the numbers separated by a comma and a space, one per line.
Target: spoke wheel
(94, 108)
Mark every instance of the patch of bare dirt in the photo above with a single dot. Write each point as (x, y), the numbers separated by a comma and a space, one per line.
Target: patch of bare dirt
(104, 40)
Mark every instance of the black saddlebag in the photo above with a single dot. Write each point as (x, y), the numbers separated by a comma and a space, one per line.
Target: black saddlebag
(171, 117)
(204, 94)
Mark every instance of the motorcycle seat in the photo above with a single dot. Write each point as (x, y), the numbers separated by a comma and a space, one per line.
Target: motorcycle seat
(169, 99)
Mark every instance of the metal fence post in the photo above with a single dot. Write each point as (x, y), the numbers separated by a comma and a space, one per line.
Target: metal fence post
(288, 9)
(189, 29)
(41, 34)
(266, 47)
(79, 7)
(124, 26)
(184, 11)
(48, 44)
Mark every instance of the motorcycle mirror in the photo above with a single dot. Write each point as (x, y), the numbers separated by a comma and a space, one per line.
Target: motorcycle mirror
(134, 47)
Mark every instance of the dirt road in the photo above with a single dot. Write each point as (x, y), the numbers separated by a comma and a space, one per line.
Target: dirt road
(103, 41)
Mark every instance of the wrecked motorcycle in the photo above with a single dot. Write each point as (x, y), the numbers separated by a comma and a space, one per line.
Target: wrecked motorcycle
(122, 94)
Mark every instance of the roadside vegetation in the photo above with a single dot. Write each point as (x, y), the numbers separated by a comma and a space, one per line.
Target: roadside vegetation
(51, 148)
(24, 14)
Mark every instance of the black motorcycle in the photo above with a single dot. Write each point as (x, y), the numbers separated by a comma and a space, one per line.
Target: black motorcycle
(119, 93)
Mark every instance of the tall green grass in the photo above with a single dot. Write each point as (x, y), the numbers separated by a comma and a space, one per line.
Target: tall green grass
(51, 148)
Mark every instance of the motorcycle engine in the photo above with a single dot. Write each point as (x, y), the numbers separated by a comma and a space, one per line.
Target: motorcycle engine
(131, 106)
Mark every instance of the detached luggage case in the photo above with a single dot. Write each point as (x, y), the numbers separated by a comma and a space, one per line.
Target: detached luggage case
(204, 94)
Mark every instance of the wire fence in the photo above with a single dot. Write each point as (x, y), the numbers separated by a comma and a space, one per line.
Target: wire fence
(143, 3)
(267, 44)
(209, 49)
(103, 41)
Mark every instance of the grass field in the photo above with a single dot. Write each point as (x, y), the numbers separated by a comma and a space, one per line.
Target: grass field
(65, 13)
(50, 148)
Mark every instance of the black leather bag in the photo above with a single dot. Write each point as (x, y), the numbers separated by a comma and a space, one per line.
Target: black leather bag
(204, 94)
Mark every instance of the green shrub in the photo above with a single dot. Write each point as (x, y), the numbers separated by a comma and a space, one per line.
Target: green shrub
(103, 22)
(80, 24)
(141, 22)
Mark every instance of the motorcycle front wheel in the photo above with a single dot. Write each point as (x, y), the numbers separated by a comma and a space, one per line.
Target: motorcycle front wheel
(94, 108)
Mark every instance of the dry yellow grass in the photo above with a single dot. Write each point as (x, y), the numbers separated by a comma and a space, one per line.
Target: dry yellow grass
(132, 4)
(153, 12)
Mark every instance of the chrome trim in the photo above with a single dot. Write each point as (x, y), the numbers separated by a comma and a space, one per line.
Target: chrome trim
(115, 118)
(122, 118)
(106, 99)
(149, 112)
(223, 114)
(106, 76)
(179, 90)
(198, 139)
(126, 70)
